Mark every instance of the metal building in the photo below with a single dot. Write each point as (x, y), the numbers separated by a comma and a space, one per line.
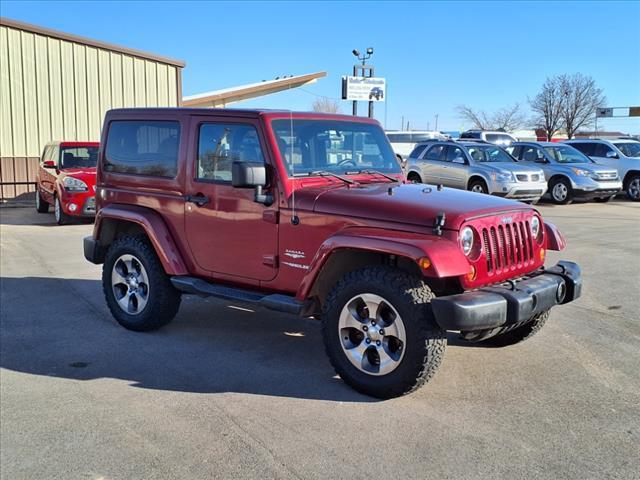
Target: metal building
(57, 86)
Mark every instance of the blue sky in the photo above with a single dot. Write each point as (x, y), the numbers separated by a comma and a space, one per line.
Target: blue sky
(434, 55)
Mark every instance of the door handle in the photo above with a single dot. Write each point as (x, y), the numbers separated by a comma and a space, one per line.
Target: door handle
(199, 199)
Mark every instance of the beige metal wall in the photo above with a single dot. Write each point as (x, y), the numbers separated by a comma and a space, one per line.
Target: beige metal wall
(54, 89)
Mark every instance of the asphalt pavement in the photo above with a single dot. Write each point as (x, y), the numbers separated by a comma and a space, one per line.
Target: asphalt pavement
(227, 392)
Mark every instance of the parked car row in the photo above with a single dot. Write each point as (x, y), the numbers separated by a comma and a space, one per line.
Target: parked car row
(589, 169)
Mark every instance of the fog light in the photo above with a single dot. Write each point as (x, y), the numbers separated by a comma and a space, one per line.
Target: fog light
(471, 276)
(72, 207)
(542, 254)
(424, 263)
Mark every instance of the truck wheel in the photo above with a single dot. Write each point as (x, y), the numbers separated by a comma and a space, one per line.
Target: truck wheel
(379, 332)
(633, 188)
(561, 191)
(41, 205)
(519, 334)
(58, 212)
(478, 186)
(138, 291)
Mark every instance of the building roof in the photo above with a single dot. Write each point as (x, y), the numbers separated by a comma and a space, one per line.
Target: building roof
(226, 96)
(28, 27)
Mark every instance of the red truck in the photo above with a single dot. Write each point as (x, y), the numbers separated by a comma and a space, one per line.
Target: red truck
(309, 214)
(66, 179)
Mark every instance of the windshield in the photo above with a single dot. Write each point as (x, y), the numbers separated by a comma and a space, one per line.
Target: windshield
(78, 157)
(566, 154)
(629, 149)
(340, 147)
(486, 153)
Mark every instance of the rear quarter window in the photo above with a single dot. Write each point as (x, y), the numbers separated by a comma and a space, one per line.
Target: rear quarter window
(142, 147)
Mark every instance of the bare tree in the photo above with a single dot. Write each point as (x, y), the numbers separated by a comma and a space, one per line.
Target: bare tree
(507, 119)
(581, 99)
(326, 105)
(548, 107)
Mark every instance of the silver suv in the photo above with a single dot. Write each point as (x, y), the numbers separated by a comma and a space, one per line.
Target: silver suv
(623, 155)
(571, 174)
(477, 166)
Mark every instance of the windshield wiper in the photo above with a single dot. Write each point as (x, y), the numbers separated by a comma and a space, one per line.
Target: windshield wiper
(376, 172)
(325, 173)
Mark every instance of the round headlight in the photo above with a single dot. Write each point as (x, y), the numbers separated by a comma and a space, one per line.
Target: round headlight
(466, 240)
(535, 227)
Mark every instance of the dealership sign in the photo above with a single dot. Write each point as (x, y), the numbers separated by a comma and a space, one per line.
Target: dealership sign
(604, 112)
(372, 89)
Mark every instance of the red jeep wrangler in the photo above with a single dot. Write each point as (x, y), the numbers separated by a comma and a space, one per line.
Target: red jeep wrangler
(308, 214)
(66, 179)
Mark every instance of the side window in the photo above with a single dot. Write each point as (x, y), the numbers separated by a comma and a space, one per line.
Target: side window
(586, 148)
(143, 147)
(220, 145)
(417, 151)
(530, 154)
(455, 155)
(514, 151)
(601, 150)
(435, 152)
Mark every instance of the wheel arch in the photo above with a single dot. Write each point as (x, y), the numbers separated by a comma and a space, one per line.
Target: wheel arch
(475, 177)
(115, 221)
(628, 176)
(360, 247)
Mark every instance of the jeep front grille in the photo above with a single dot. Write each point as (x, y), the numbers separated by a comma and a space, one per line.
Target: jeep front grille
(507, 246)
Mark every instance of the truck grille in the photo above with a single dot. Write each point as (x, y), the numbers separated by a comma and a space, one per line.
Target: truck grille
(507, 246)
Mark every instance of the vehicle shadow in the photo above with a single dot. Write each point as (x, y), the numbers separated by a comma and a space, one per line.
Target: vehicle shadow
(27, 216)
(211, 347)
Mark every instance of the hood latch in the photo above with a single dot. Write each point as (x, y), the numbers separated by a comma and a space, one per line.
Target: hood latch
(438, 223)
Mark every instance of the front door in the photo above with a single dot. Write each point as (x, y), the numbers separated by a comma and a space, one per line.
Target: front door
(228, 232)
(457, 168)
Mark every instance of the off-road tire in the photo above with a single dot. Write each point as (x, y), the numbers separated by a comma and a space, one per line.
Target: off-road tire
(479, 184)
(61, 217)
(425, 341)
(163, 301)
(631, 188)
(41, 205)
(568, 199)
(519, 334)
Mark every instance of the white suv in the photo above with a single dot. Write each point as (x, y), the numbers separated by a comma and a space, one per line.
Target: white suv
(503, 139)
(621, 154)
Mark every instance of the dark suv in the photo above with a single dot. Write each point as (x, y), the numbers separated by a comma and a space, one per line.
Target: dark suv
(307, 214)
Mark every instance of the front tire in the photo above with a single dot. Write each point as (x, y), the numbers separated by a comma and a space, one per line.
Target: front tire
(414, 178)
(633, 188)
(379, 332)
(61, 217)
(519, 334)
(41, 204)
(561, 191)
(136, 287)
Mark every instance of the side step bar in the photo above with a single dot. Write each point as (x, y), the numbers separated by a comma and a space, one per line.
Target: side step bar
(275, 301)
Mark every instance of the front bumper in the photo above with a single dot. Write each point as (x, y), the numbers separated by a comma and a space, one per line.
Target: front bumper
(78, 204)
(519, 190)
(511, 303)
(585, 187)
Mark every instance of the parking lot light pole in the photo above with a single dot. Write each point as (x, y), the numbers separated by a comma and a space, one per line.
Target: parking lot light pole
(363, 70)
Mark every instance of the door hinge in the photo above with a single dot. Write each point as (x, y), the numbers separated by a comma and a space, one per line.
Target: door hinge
(270, 216)
(270, 260)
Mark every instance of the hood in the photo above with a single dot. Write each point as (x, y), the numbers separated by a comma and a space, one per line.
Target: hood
(86, 174)
(589, 167)
(415, 204)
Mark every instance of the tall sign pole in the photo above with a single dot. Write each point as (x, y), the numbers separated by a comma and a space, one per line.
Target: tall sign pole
(363, 86)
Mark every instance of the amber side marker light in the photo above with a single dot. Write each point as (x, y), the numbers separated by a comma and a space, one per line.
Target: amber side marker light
(542, 254)
(424, 263)
(471, 276)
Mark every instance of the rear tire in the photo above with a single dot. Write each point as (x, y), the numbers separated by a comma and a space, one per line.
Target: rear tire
(561, 191)
(519, 334)
(396, 361)
(41, 205)
(132, 262)
(633, 188)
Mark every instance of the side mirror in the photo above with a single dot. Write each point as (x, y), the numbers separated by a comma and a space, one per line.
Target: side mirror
(248, 175)
(611, 154)
(49, 164)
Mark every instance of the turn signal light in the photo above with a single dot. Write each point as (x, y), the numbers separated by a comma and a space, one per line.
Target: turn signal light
(542, 254)
(424, 263)
(471, 276)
